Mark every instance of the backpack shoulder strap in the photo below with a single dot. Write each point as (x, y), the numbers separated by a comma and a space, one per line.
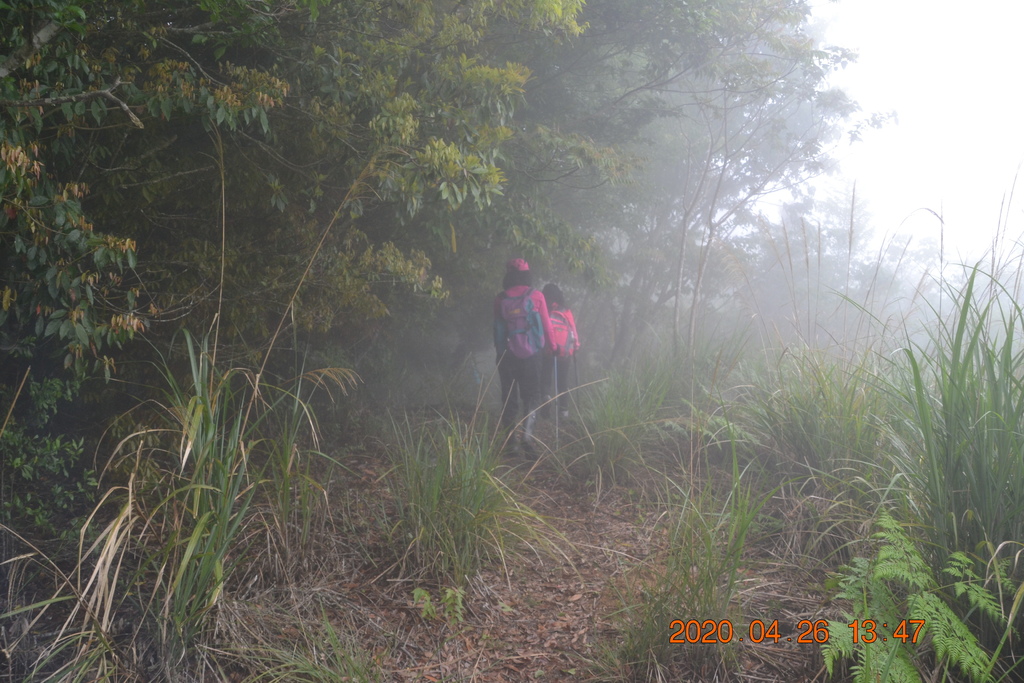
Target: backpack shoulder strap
(521, 297)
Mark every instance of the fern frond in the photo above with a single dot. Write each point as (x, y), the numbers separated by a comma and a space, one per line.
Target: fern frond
(897, 583)
(953, 641)
(839, 645)
(898, 559)
(960, 567)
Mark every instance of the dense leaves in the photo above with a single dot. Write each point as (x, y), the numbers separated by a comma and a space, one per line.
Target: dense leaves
(224, 140)
(46, 479)
(244, 148)
(323, 165)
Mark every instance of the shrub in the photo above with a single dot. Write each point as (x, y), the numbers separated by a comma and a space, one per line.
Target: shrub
(44, 485)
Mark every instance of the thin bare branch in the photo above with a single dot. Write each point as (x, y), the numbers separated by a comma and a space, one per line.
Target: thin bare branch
(107, 93)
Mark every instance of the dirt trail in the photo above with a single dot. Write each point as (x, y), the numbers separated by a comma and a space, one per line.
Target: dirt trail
(549, 618)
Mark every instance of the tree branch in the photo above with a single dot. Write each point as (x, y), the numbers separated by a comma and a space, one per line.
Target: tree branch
(168, 177)
(107, 93)
(120, 103)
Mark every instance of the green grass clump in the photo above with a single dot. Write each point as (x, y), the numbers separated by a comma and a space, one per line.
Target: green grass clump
(960, 444)
(702, 538)
(619, 417)
(322, 655)
(824, 417)
(451, 512)
(963, 445)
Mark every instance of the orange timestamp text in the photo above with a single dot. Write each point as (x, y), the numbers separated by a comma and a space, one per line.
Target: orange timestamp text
(710, 631)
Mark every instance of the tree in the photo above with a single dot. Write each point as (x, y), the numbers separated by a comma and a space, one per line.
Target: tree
(243, 148)
(724, 101)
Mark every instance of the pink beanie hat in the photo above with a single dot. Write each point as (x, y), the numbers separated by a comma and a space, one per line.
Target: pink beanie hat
(518, 264)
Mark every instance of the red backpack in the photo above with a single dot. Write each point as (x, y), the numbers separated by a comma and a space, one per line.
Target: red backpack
(562, 334)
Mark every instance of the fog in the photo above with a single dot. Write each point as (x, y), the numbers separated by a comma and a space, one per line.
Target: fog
(956, 145)
(250, 334)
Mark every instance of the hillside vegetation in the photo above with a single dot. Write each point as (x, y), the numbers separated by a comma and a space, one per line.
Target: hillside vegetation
(248, 407)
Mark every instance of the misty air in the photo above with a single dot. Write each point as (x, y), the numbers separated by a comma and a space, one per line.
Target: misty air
(529, 340)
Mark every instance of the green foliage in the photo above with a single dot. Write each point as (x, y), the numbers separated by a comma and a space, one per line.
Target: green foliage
(322, 655)
(115, 113)
(174, 538)
(962, 439)
(293, 496)
(44, 484)
(452, 514)
(702, 538)
(383, 138)
(208, 492)
(619, 417)
(453, 609)
(897, 586)
(826, 417)
(61, 279)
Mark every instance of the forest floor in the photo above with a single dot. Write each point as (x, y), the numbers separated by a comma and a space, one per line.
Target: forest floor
(540, 616)
(555, 618)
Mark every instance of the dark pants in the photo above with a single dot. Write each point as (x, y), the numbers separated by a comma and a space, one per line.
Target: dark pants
(549, 386)
(520, 386)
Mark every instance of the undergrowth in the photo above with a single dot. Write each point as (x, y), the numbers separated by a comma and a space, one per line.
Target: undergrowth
(619, 422)
(702, 537)
(903, 621)
(452, 513)
(160, 549)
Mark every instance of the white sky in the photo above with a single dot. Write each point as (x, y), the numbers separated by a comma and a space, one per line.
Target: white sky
(953, 72)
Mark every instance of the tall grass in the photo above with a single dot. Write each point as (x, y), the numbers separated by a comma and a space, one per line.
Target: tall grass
(207, 497)
(159, 552)
(702, 536)
(293, 500)
(963, 448)
(452, 514)
(619, 420)
(176, 538)
(825, 417)
(89, 600)
(962, 442)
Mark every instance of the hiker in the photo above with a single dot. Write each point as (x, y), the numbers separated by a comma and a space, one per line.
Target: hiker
(522, 330)
(566, 341)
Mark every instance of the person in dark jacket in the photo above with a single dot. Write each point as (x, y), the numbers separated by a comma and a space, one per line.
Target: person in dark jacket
(522, 330)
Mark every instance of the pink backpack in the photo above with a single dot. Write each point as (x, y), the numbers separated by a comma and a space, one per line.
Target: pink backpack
(562, 334)
(520, 326)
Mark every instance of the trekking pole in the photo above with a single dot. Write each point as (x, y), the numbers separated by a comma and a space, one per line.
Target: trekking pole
(555, 399)
(576, 368)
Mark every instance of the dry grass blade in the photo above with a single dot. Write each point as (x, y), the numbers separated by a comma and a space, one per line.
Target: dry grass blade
(93, 594)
